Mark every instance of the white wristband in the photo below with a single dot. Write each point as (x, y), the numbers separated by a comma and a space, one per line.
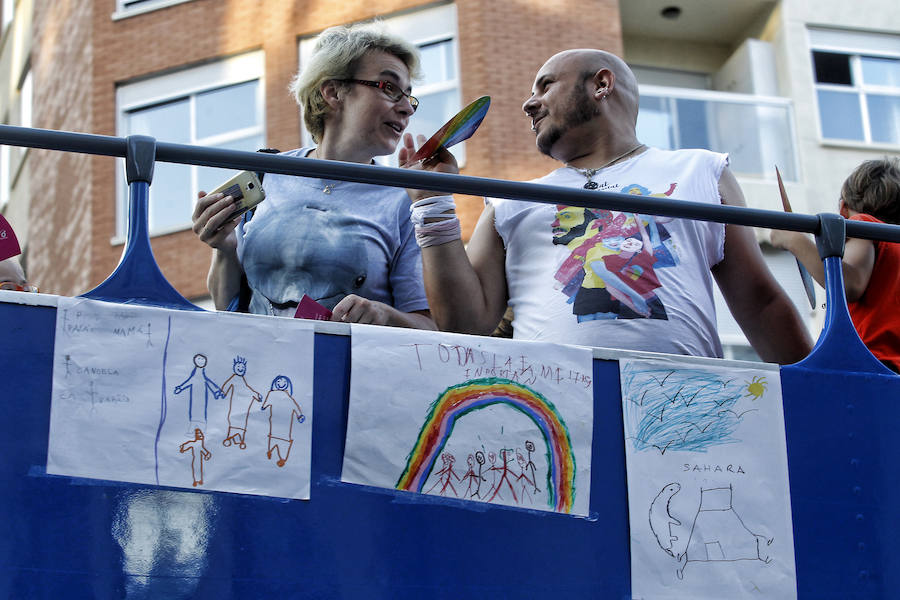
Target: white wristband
(440, 232)
(441, 207)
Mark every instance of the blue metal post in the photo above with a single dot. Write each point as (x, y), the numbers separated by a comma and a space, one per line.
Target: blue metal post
(839, 346)
(137, 279)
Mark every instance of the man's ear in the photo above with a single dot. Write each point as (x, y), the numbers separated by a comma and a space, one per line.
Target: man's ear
(331, 95)
(603, 82)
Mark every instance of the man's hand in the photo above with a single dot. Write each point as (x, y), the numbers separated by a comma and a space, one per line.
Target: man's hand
(441, 162)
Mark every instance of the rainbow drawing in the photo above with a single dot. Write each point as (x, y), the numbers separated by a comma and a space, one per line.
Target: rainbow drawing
(459, 128)
(462, 399)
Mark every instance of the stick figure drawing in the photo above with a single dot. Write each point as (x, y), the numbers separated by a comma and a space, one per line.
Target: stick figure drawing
(204, 383)
(240, 394)
(199, 453)
(283, 409)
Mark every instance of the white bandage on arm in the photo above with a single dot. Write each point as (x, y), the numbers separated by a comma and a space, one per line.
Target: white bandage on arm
(435, 221)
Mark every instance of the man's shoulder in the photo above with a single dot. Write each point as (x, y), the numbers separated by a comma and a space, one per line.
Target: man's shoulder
(686, 154)
(554, 177)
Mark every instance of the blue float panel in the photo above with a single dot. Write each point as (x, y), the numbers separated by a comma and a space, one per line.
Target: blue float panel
(79, 538)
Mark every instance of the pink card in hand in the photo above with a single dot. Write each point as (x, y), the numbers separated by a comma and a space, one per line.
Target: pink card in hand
(9, 245)
(310, 309)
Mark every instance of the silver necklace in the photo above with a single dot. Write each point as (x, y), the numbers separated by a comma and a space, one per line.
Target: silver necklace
(328, 187)
(589, 173)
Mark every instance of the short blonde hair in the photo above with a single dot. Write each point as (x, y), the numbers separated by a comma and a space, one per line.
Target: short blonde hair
(336, 55)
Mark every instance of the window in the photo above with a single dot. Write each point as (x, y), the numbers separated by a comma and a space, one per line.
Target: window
(9, 11)
(857, 79)
(4, 176)
(219, 104)
(755, 131)
(433, 31)
(130, 8)
(26, 97)
(12, 157)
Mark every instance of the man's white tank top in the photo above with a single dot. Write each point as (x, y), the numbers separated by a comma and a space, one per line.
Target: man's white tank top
(609, 279)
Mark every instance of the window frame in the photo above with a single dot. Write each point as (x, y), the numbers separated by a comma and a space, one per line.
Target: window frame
(131, 8)
(186, 83)
(855, 45)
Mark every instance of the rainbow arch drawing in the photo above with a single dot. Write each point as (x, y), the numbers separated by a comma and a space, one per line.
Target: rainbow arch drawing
(465, 398)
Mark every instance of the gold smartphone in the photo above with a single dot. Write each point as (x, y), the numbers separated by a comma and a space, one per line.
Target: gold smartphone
(246, 190)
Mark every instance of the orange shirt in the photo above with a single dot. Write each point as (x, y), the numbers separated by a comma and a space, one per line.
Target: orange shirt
(876, 314)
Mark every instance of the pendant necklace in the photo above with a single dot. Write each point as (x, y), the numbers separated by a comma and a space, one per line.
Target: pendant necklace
(328, 187)
(589, 173)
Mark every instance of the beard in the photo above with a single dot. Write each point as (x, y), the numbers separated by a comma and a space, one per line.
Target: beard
(579, 109)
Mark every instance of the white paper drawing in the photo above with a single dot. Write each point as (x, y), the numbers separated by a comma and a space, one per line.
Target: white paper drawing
(212, 401)
(708, 492)
(481, 419)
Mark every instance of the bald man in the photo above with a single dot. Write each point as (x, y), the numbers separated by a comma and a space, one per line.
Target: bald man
(597, 277)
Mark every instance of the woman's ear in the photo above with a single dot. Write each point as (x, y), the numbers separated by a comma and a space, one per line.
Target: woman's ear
(331, 94)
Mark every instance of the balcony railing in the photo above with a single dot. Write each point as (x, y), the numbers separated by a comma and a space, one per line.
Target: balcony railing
(757, 132)
(90, 538)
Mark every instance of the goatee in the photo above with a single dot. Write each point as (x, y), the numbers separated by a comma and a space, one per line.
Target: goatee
(579, 109)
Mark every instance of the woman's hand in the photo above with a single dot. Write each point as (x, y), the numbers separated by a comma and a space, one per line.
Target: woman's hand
(210, 221)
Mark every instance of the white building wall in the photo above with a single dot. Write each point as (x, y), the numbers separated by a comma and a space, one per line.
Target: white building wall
(824, 165)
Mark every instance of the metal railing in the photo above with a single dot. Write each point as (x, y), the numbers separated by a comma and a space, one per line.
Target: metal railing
(463, 184)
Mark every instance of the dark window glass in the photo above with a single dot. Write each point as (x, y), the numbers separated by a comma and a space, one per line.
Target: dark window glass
(832, 68)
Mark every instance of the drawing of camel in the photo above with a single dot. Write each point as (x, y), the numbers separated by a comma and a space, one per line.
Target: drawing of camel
(717, 534)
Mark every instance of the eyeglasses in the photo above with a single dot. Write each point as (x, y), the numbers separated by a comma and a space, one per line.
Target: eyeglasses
(15, 287)
(390, 90)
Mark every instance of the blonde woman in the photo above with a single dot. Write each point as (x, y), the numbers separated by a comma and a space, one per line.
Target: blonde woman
(349, 246)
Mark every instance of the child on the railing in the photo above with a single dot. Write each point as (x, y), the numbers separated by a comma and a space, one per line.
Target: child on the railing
(12, 277)
(871, 268)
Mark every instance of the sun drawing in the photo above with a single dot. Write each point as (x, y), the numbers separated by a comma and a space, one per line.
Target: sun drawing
(756, 388)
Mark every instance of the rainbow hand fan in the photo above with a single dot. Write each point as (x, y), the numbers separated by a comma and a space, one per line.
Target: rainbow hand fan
(459, 128)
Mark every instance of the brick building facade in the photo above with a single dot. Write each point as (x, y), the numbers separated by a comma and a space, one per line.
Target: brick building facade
(83, 50)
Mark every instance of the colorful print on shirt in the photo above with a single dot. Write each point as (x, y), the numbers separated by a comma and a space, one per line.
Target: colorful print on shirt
(610, 272)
